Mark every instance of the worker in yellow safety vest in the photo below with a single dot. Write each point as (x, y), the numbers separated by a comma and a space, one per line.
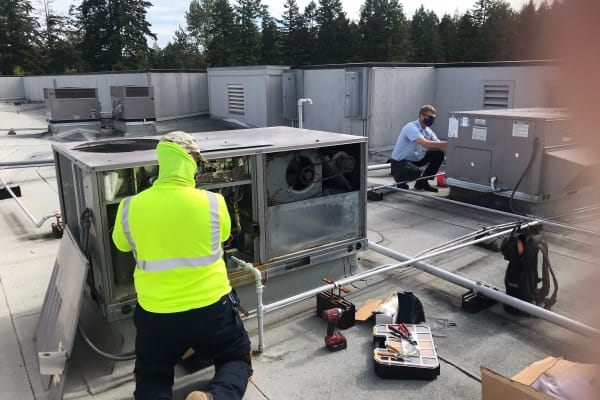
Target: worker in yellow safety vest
(184, 297)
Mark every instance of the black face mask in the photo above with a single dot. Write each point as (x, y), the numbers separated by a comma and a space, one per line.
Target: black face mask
(428, 121)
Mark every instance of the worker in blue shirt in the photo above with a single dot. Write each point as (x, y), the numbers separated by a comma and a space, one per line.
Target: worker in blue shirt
(417, 146)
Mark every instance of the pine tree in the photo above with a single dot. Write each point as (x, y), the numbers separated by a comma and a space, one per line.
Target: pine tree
(223, 36)
(449, 38)
(19, 39)
(247, 12)
(383, 32)
(333, 33)
(114, 33)
(270, 42)
(425, 37)
(468, 42)
(498, 32)
(293, 33)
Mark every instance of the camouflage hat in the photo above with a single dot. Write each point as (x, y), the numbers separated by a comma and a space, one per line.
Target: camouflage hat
(186, 141)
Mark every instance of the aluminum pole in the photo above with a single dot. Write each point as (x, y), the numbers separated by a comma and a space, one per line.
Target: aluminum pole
(477, 287)
(36, 223)
(487, 209)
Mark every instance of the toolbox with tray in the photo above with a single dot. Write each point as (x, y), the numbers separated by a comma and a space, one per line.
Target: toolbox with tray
(401, 356)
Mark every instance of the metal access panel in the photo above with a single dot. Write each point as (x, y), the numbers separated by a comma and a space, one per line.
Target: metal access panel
(56, 328)
(356, 93)
(133, 103)
(296, 198)
(530, 149)
(71, 104)
(293, 90)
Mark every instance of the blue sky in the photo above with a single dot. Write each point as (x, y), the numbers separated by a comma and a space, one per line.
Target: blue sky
(167, 15)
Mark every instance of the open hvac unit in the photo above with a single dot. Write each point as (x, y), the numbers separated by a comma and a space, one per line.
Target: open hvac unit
(296, 199)
(531, 154)
(71, 105)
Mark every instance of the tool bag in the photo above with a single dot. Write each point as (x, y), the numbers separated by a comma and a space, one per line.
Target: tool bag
(522, 279)
(410, 309)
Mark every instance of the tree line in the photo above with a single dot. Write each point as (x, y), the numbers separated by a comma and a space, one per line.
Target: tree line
(114, 35)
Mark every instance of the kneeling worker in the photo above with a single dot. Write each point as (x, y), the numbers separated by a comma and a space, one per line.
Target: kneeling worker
(185, 300)
(417, 146)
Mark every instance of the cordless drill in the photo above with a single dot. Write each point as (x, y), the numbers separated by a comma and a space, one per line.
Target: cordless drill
(334, 341)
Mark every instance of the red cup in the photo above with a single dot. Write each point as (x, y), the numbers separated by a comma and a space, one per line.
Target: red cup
(441, 180)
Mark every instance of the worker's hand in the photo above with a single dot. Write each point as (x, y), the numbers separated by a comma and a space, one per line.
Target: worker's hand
(443, 144)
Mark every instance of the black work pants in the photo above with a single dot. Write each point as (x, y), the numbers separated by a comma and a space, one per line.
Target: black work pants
(215, 332)
(404, 170)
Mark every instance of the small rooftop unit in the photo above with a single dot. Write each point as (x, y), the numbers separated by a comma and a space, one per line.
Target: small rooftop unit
(71, 105)
(532, 152)
(132, 103)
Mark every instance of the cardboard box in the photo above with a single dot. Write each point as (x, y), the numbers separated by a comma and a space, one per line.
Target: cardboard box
(497, 387)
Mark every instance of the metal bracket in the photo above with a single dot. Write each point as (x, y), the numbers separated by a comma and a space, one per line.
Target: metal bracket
(52, 363)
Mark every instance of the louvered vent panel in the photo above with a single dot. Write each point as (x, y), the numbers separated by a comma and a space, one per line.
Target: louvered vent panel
(236, 99)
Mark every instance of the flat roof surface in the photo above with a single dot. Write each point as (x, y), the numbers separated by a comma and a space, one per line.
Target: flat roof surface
(295, 363)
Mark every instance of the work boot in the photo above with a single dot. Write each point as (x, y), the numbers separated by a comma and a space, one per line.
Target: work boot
(199, 396)
(424, 185)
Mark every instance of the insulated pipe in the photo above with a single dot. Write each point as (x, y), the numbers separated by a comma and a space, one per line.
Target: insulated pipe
(26, 164)
(378, 166)
(14, 196)
(300, 103)
(486, 209)
(259, 299)
(477, 287)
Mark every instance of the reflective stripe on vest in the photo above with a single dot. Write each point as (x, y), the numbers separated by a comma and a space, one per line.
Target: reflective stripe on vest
(170, 263)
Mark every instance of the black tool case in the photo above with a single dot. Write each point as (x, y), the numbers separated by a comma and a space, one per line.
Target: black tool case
(397, 358)
(327, 300)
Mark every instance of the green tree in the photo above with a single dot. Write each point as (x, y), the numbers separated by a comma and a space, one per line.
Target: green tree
(294, 34)
(247, 13)
(333, 33)
(498, 32)
(448, 33)
(19, 39)
(311, 26)
(527, 31)
(468, 43)
(425, 37)
(223, 33)
(114, 33)
(383, 31)
(270, 42)
(180, 53)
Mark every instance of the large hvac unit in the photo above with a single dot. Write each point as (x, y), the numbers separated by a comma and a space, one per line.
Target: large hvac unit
(132, 103)
(296, 199)
(531, 154)
(71, 105)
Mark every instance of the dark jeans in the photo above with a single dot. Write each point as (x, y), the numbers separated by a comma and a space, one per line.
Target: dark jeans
(214, 332)
(404, 170)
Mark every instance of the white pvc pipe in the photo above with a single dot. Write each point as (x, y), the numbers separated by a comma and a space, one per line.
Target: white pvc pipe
(259, 300)
(300, 103)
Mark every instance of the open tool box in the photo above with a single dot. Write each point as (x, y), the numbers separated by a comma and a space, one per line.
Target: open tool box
(405, 353)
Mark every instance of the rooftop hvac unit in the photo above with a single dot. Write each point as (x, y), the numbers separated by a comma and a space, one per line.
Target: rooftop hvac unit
(532, 152)
(296, 199)
(71, 104)
(133, 103)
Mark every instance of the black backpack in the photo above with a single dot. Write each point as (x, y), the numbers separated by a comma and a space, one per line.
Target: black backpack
(410, 309)
(522, 279)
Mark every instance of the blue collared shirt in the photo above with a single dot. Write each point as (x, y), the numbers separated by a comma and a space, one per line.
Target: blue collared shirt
(406, 147)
